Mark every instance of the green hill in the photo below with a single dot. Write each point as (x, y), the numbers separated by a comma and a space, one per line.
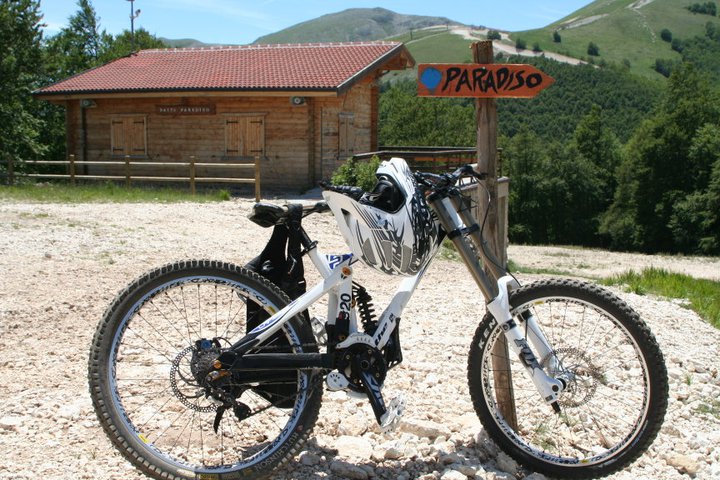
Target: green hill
(183, 42)
(355, 24)
(628, 32)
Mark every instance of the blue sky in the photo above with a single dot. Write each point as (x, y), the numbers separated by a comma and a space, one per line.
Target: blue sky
(239, 22)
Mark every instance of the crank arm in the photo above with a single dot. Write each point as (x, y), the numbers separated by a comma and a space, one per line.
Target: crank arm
(372, 389)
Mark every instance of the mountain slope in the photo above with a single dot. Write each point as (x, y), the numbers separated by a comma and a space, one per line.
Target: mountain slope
(355, 24)
(625, 31)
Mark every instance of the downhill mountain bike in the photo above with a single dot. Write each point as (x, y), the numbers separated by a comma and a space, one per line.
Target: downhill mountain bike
(204, 369)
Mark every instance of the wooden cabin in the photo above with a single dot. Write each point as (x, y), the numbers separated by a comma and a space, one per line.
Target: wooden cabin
(303, 109)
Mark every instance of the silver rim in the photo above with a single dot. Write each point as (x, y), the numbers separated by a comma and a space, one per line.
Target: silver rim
(607, 403)
(151, 383)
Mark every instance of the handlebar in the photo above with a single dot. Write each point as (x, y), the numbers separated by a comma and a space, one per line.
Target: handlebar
(431, 182)
(437, 182)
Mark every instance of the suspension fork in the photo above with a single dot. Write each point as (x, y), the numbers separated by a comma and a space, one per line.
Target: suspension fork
(463, 230)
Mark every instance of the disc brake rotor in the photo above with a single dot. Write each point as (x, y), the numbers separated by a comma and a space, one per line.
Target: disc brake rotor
(581, 374)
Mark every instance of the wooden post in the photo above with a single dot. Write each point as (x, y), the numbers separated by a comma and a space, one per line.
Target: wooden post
(72, 169)
(11, 173)
(257, 178)
(127, 171)
(192, 174)
(486, 115)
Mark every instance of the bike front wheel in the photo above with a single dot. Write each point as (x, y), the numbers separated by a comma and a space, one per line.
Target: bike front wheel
(151, 353)
(616, 395)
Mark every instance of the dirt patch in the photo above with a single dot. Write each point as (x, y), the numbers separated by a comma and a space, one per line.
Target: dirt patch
(61, 265)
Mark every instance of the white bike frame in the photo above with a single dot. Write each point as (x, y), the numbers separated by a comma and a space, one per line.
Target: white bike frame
(453, 214)
(337, 272)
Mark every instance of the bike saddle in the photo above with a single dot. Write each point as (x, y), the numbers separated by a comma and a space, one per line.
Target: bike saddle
(268, 214)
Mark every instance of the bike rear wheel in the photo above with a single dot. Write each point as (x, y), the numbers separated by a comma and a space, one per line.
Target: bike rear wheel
(615, 401)
(148, 355)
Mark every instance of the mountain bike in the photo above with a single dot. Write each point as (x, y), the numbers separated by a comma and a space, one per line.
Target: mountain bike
(205, 369)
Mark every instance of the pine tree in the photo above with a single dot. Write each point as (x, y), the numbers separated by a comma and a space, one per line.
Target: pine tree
(20, 53)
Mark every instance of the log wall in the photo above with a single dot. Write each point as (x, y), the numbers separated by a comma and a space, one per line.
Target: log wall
(301, 142)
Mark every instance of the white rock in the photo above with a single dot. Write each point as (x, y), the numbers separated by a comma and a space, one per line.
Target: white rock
(348, 470)
(683, 464)
(309, 458)
(11, 423)
(393, 453)
(535, 476)
(353, 447)
(453, 475)
(505, 463)
(425, 428)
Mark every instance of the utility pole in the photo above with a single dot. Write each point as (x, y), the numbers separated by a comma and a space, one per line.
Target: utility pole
(133, 15)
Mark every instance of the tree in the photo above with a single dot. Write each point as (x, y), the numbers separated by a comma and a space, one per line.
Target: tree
(556, 37)
(493, 35)
(122, 44)
(677, 45)
(666, 35)
(593, 49)
(710, 30)
(520, 44)
(406, 119)
(666, 171)
(536, 47)
(78, 46)
(20, 68)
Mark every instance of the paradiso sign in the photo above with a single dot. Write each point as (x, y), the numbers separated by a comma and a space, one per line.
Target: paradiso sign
(481, 80)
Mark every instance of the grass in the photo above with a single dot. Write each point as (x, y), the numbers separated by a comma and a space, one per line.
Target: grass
(703, 295)
(710, 406)
(105, 193)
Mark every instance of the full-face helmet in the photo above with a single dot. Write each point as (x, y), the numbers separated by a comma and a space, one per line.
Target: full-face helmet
(391, 228)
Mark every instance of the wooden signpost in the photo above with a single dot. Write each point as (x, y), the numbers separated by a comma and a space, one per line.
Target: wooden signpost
(486, 81)
(481, 80)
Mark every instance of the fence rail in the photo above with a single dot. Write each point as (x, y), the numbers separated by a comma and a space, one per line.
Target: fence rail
(128, 177)
(432, 159)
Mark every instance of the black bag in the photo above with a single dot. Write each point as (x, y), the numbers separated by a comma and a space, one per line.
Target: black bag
(281, 263)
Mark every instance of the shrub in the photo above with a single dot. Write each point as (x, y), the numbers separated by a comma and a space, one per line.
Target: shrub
(666, 35)
(520, 44)
(677, 45)
(357, 173)
(556, 37)
(536, 47)
(593, 49)
(493, 35)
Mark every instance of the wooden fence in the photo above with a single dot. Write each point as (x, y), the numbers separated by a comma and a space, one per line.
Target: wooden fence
(126, 167)
(426, 159)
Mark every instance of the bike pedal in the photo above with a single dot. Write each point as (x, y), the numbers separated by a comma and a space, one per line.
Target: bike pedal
(391, 419)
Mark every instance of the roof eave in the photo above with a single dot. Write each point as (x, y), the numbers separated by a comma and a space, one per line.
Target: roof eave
(180, 92)
(400, 51)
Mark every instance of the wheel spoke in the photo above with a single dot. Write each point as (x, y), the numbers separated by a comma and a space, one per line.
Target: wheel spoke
(157, 366)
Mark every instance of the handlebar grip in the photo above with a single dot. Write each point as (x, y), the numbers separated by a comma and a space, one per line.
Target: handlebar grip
(353, 192)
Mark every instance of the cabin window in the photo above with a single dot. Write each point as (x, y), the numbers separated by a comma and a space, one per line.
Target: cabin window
(128, 135)
(245, 136)
(346, 135)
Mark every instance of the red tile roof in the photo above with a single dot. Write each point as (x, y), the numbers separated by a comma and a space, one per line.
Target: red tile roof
(321, 67)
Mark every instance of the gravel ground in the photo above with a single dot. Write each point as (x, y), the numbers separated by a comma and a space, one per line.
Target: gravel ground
(62, 264)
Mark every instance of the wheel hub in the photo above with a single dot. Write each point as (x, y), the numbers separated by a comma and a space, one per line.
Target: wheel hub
(579, 374)
(189, 374)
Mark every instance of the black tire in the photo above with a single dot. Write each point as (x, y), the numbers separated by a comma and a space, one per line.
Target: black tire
(614, 404)
(143, 388)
